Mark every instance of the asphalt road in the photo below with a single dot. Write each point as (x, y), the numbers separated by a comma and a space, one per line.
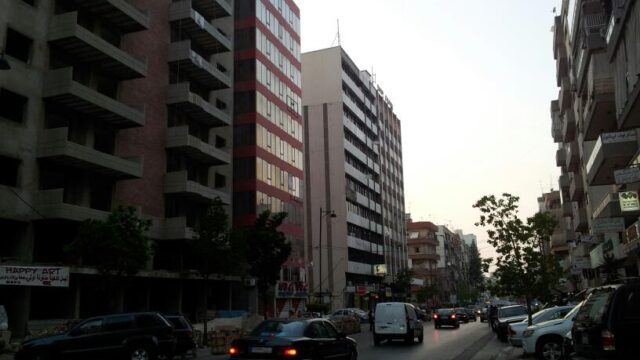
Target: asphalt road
(471, 341)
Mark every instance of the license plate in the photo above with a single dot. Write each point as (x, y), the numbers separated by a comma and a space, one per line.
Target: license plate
(261, 350)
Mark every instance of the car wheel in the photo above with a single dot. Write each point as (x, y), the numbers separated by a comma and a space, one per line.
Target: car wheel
(140, 352)
(410, 337)
(550, 350)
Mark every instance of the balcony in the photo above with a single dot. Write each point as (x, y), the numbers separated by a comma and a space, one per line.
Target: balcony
(187, 62)
(580, 223)
(559, 242)
(558, 32)
(422, 256)
(564, 95)
(364, 245)
(561, 157)
(562, 67)
(359, 221)
(564, 181)
(213, 9)
(595, 27)
(206, 36)
(576, 188)
(181, 98)
(422, 241)
(55, 147)
(608, 208)
(353, 108)
(177, 183)
(60, 88)
(357, 153)
(600, 115)
(178, 138)
(556, 122)
(573, 156)
(611, 152)
(120, 13)
(355, 173)
(569, 126)
(51, 205)
(177, 229)
(84, 46)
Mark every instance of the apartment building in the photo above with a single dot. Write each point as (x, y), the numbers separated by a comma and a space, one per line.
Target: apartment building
(268, 138)
(351, 204)
(422, 246)
(110, 103)
(451, 264)
(595, 123)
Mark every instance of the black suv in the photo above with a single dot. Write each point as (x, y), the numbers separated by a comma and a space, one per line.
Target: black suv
(183, 331)
(607, 324)
(132, 336)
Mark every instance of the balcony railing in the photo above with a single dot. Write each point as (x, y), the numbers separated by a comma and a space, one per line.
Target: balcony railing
(177, 183)
(573, 156)
(611, 152)
(121, 13)
(187, 62)
(207, 37)
(595, 29)
(600, 105)
(178, 138)
(180, 97)
(51, 205)
(576, 189)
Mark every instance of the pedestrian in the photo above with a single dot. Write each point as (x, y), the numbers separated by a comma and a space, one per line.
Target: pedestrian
(371, 321)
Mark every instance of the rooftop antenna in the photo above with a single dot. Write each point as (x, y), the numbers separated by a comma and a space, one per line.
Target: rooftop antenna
(337, 35)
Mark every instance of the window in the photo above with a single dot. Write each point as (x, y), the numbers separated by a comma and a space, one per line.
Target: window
(417, 250)
(220, 181)
(316, 330)
(90, 327)
(13, 105)
(9, 173)
(18, 45)
(331, 331)
(121, 322)
(146, 320)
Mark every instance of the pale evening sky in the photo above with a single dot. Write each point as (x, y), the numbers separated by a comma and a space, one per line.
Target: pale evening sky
(471, 82)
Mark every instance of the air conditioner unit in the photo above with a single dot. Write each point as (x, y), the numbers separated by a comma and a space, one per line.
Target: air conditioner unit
(250, 282)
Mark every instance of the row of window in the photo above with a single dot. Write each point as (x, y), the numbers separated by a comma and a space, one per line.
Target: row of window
(283, 150)
(265, 46)
(363, 190)
(360, 166)
(363, 212)
(364, 234)
(278, 116)
(287, 13)
(295, 213)
(270, 21)
(278, 88)
(276, 177)
(358, 144)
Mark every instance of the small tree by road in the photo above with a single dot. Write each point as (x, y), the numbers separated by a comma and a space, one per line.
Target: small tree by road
(402, 282)
(521, 268)
(267, 251)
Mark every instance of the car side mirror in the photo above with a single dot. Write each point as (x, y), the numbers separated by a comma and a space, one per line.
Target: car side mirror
(341, 336)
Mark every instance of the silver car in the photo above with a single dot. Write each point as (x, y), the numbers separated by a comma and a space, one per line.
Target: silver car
(516, 329)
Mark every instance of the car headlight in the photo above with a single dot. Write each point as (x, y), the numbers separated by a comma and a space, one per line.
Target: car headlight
(528, 333)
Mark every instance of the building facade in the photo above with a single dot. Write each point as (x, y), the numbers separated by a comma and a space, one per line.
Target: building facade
(268, 137)
(344, 118)
(594, 122)
(422, 245)
(128, 103)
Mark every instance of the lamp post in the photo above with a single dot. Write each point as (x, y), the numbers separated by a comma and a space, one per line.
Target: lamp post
(323, 213)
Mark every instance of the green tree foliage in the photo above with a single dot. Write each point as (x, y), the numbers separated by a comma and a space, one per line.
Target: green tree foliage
(268, 249)
(402, 283)
(425, 293)
(522, 269)
(116, 247)
(475, 267)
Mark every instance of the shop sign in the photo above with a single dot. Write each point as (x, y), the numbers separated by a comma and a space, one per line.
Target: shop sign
(608, 225)
(350, 289)
(380, 269)
(629, 201)
(292, 290)
(588, 239)
(627, 176)
(50, 276)
(581, 262)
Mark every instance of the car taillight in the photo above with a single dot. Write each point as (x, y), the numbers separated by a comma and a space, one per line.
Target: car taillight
(435, 316)
(290, 352)
(453, 316)
(233, 350)
(608, 340)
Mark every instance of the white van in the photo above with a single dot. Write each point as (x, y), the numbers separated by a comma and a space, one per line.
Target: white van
(396, 320)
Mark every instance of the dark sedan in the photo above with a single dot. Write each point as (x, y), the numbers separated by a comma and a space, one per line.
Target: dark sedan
(462, 315)
(445, 317)
(294, 339)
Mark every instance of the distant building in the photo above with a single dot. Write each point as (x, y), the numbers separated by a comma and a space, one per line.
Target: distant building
(422, 246)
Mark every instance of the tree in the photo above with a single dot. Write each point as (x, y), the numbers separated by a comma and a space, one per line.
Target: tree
(402, 282)
(609, 267)
(116, 247)
(475, 266)
(425, 293)
(213, 250)
(269, 249)
(522, 269)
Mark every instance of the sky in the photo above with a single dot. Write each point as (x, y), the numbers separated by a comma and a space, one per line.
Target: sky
(471, 82)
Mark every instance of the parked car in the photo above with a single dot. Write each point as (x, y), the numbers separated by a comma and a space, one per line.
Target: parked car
(129, 336)
(428, 312)
(552, 313)
(422, 315)
(346, 312)
(445, 317)
(483, 314)
(294, 339)
(363, 315)
(546, 338)
(507, 315)
(606, 326)
(471, 314)
(461, 313)
(396, 320)
(183, 331)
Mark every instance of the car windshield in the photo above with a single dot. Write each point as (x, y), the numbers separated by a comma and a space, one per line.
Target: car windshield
(279, 328)
(512, 311)
(445, 311)
(595, 305)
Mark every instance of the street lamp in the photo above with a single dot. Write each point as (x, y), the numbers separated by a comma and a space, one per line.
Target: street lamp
(323, 213)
